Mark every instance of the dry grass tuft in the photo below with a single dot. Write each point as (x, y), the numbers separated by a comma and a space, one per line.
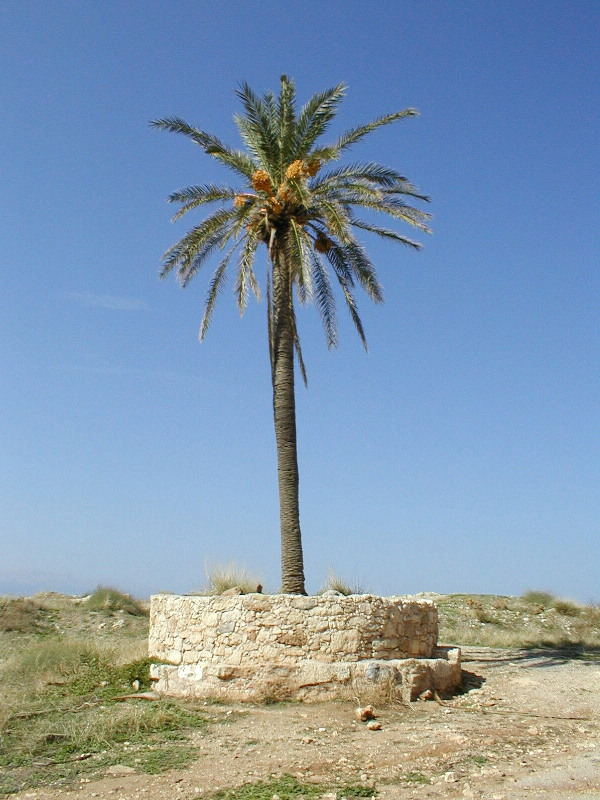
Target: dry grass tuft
(229, 576)
(336, 584)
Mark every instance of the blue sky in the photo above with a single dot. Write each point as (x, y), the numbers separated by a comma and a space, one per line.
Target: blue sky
(462, 453)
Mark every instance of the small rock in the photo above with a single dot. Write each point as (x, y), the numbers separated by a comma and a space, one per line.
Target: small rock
(449, 777)
(364, 713)
(135, 685)
(235, 590)
(373, 725)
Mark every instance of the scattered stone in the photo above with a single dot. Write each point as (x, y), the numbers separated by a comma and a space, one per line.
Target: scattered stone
(373, 725)
(135, 685)
(449, 777)
(364, 713)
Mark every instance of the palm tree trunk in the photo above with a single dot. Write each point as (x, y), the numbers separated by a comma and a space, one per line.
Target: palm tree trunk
(284, 415)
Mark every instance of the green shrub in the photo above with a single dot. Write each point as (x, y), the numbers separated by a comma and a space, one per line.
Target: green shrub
(110, 600)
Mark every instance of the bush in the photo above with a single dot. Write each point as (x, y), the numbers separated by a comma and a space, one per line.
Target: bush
(567, 609)
(110, 600)
(544, 599)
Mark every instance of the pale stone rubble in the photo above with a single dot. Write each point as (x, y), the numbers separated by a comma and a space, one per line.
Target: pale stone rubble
(254, 646)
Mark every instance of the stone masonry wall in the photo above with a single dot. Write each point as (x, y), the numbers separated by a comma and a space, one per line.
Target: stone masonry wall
(284, 629)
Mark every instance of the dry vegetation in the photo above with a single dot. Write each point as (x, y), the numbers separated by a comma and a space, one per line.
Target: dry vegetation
(65, 662)
(537, 619)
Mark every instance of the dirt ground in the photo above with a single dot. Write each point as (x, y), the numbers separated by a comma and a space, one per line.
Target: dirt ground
(526, 726)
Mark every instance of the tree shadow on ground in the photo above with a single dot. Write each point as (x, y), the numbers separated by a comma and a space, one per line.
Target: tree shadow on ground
(536, 654)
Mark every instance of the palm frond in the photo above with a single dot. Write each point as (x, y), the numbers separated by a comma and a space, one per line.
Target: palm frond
(286, 113)
(325, 299)
(364, 271)
(371, 172)
(384, 233)
(235, 159)
(214, 289)
(405, 187)
(356, 134)
(297, 251)
(246, 279)
(258, 126)
(194, 196)
(343, 273)
(337, 220)
(191, 251)
(315, 116)
(393, 208)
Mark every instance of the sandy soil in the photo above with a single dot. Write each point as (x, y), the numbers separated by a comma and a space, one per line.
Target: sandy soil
(528, 726)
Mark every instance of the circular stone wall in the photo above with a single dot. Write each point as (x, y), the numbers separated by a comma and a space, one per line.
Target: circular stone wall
(234, 646)
(284, 628)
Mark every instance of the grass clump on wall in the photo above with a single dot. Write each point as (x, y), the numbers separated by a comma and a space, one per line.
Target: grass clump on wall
(221, 578)
(336, 584)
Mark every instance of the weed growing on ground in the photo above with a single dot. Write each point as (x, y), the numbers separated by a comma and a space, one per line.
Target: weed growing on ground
(289, 788)
(416, 778)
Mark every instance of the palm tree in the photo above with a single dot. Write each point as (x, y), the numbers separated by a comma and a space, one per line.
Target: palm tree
(304, 215)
